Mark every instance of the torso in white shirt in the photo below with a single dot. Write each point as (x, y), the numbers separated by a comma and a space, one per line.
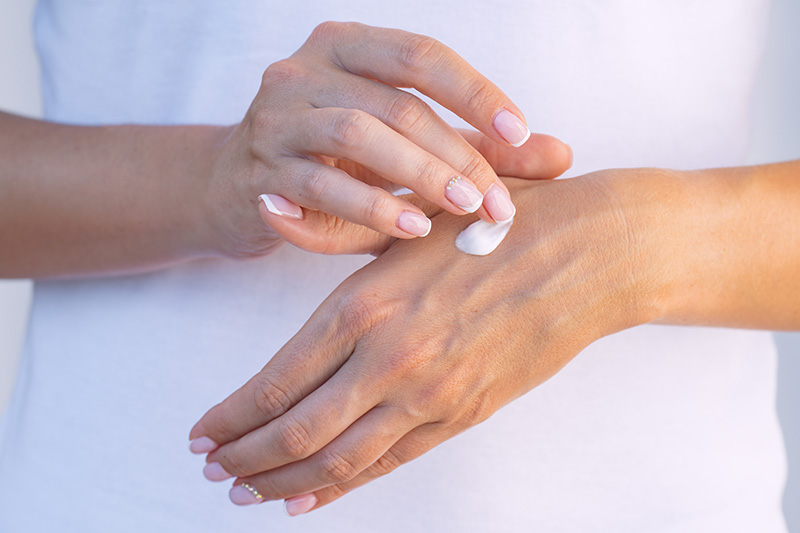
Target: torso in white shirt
(655, 429)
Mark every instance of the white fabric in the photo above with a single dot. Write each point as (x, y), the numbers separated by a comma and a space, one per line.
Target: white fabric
(656, 429)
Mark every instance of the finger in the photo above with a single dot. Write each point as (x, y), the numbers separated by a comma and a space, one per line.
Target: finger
(302, 431)
(412, 445)
(543, 157)
(405, 59)
(342, 460)
(306, 361)
(320, 232)
(414, 119)
(360, 137)
(329, 189)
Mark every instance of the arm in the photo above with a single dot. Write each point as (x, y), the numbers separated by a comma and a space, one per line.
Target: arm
(406, 354)
(93, 200)
(326, 139)
(735, 236)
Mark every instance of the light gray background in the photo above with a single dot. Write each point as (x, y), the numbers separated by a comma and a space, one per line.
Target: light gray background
(776, 137)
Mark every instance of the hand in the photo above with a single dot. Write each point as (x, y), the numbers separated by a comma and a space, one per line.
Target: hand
(329, 136)
(406, 353)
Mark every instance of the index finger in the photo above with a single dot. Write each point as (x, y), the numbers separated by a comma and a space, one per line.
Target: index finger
(405, 59)
(304, 363)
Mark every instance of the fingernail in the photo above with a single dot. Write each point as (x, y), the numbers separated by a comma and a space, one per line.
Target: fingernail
(215, 472)
(463, 194)
(278, 205)
(571, 156)
(245, 494)
(202, 445)
(511, 128)
(299, 504)
(498, 204)
(414, 223)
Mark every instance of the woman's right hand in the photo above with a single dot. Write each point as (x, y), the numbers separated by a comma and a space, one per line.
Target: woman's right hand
(330, 135)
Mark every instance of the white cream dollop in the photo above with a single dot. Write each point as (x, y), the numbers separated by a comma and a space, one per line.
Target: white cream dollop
(481, 237)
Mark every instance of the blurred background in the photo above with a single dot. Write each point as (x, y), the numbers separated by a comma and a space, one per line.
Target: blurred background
(776, 137)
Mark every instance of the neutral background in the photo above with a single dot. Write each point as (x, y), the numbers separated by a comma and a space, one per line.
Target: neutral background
(776, 137)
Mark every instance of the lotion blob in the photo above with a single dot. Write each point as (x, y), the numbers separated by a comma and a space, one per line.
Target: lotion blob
(481, 237)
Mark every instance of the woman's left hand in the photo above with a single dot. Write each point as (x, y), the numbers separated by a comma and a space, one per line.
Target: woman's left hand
(405, 354)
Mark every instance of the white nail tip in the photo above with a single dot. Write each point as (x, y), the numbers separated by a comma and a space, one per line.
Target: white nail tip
(523, 141)
(428, 231)
(474, 207)
(482, 238)
(270, 206)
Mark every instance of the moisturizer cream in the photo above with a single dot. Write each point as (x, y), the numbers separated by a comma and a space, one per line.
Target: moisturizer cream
(481, 237)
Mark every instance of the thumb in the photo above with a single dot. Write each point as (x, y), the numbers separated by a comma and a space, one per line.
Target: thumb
(541, 157)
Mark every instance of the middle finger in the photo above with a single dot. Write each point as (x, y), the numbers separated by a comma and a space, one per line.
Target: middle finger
(410, 116)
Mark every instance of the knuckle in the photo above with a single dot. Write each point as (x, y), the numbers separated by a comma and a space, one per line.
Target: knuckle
(282, 72)
(414, 359)
(363, 311)
(478, 410)
(325, 31)
(386, 464)
(442, 397)
(336, 468)
(430, 174)
(294, 440)
(261, 120)
(350, 128)
(479, 95)
(475, 166)
(357, 313)
(376, 208)
(407, 112)
(420, 52)
(314, 184)
(271, 400)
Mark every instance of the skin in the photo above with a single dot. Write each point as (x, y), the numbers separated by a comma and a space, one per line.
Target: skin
(328, 130)
(397, 360)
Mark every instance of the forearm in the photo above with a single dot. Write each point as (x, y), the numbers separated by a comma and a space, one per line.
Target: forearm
(728, 248)
(96, 200)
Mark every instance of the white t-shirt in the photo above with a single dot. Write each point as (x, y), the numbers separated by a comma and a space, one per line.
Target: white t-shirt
(655, 429)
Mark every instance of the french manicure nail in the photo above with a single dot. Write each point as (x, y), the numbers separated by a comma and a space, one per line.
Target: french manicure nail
(299, 504)
(498, 204)
(215, 472)
(245, 494)
(414, 223)
(463, 194)
(278, 205)
(202, 445)
(511, 128)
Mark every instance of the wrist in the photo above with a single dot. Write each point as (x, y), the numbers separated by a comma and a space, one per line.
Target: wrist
(214, 199)
(708, 234)
(645, 215)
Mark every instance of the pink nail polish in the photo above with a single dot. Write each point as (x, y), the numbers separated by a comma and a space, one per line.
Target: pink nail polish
(463, 194)
(245, 494)
(202, 445)
(278, 205)
(498, 204)
(215, 472)
(414, 223)
(299, 504)
(511, 128)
